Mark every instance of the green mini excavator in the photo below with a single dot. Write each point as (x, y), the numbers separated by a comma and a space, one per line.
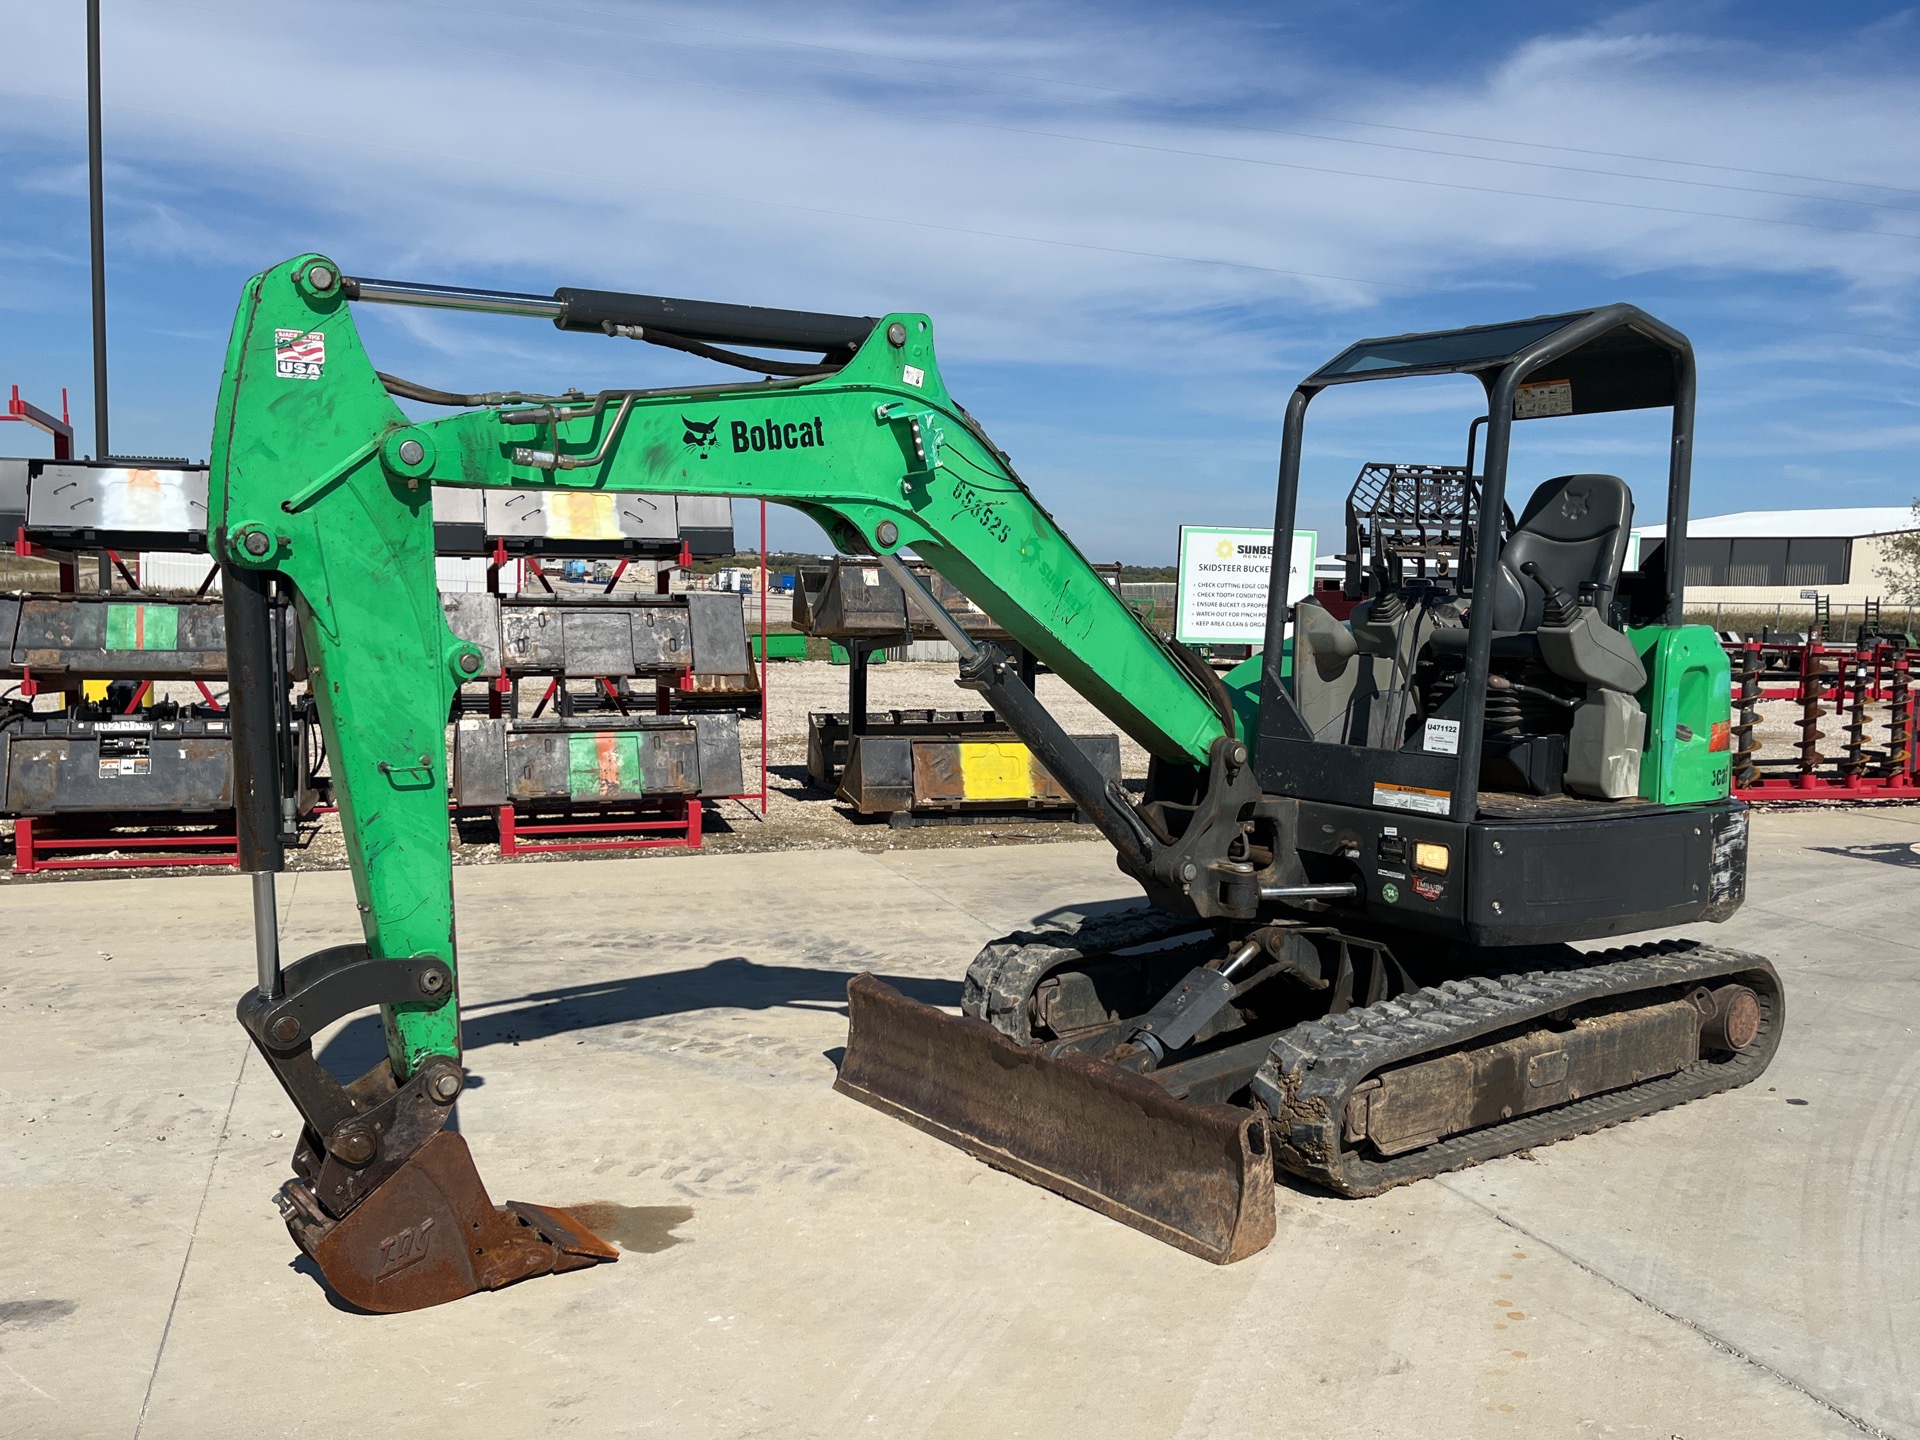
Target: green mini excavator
(1367, 854)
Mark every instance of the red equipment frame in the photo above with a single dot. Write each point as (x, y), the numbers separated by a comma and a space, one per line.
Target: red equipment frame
(1878, 672)
(61, 430)
(1878, 656)
(635, 831)
(1829, 788)
(66, 848)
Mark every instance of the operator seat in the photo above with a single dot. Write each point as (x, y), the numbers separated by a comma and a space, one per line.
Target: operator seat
(1575, 529)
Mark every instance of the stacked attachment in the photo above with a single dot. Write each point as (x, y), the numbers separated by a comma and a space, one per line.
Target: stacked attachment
(920, 766)
(612, 752)
(120, 765)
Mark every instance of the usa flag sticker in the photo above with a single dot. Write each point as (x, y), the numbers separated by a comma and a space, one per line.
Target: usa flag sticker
(299, 354)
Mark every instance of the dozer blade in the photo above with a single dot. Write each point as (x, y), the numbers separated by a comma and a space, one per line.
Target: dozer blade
(1195, 1176)
(429, 1234)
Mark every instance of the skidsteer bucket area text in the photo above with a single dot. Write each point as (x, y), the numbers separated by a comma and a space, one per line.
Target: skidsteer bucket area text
(1197, 1176)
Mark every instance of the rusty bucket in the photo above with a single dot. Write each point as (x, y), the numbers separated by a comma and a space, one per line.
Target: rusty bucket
(429, 1234)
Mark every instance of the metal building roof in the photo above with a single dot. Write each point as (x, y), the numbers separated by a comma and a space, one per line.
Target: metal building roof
(1791, 524)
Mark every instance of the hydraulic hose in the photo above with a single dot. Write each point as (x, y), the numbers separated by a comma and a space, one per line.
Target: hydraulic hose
(248, 602)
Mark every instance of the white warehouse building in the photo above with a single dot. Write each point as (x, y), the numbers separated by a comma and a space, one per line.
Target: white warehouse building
(1769, 557)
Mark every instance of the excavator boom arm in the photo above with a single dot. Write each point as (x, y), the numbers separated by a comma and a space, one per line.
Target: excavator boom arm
(318, 476)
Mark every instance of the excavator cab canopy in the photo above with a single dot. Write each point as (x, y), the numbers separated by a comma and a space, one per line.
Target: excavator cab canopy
(1584, 362)
(1624, 367)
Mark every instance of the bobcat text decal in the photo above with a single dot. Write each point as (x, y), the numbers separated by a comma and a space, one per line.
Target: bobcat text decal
(773, 435)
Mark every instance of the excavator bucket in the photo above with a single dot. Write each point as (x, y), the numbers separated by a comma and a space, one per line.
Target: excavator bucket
(1199, 1177)
(429, 1234)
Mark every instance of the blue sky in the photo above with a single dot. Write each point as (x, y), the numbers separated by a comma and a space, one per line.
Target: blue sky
(1134, 226)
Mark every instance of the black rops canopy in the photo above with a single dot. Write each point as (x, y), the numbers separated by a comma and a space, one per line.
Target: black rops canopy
(1627, 360)
(1584, 362)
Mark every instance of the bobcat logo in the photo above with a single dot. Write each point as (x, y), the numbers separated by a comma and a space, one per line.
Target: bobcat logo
(701, 434)
(1573, 504)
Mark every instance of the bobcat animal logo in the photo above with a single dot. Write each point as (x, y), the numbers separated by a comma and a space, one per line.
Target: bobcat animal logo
(1573, 504)
(701, 434)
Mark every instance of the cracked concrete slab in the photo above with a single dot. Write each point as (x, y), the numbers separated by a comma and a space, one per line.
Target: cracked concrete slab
(658, 1035)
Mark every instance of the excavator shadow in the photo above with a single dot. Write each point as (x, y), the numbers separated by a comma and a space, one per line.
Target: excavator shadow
(735, 982)
(1896, 852)
(1065, 915)
(303, 1265)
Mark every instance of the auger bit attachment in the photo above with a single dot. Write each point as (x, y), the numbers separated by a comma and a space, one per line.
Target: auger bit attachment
(384, 1199)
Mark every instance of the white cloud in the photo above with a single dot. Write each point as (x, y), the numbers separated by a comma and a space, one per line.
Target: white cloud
(531, 144)
(550, 140)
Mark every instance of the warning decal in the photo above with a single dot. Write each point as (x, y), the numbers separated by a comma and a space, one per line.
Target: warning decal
(1410, 797)
(1547, 397)
(299, 354)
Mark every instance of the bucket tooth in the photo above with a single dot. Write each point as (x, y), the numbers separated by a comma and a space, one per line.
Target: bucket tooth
(1198, 1177)
(429, 1234)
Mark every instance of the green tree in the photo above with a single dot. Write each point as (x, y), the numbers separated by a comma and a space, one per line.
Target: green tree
(1899, 568)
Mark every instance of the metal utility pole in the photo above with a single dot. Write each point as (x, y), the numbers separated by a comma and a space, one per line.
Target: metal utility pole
(97, 217)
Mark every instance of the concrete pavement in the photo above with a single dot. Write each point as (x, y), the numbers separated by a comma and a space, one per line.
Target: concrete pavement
(656, 1036)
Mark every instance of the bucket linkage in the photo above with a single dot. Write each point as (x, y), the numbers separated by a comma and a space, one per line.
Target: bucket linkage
(384, 1199)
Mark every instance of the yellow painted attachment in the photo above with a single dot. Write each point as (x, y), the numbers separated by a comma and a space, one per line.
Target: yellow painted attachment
(982, 772)
(1001, 770)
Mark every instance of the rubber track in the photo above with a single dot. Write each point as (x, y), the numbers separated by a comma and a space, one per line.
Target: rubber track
(1313, 1068)
(1003, 976)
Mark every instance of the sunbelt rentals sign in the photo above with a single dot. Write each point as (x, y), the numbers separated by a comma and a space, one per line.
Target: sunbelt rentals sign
(1224, 576)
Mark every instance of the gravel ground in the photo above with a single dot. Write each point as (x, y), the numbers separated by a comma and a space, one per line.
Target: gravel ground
(799, 817)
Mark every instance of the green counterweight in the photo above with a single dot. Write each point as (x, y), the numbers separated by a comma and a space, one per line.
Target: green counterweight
(308, 443)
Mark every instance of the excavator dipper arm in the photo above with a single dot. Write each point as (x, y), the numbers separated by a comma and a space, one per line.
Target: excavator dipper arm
(321, 485)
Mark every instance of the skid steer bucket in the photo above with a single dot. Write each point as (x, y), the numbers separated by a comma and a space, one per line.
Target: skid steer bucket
(1199, 1177)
